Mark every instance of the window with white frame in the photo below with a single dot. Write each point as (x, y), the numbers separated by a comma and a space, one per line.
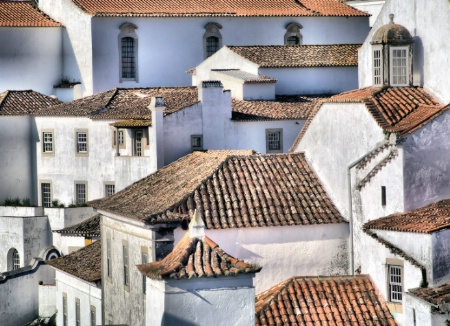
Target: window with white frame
(144, 259)
(65, 317)
(77, 312)
(212, 39)
(196, 142)
(126, 271)
(395, 283)
(293, 35)
(82, 141)
(138, 135)
(377, 67)
(399, 66)
(15, 260)
(108, 258)
(119, 137)
(80, 193)
(128, 52)
(274, 140)
(46, 194)
(110, 189)
(47, 142)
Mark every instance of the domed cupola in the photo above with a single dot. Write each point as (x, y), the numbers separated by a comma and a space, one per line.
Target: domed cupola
(392, 55)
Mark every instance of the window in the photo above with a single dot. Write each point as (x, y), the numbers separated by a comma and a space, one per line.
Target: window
(138, 135)
(274, 140)
(212, 39)
(126, 280)
(46, 194)
(383, 195)
(77, 312)
(395, 283)
(82, 145)
(293, 35)
(65, 319)
(196, 142)
(377, 75)
(47, 142)
(110, 189)
(80, 193)
(128, 52)
(144, 258)
(399, 66)
(15, 260)
(120, 133)
(108, 257)
(93, 317)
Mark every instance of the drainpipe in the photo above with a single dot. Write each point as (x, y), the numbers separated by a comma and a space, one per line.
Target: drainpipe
(350, 204)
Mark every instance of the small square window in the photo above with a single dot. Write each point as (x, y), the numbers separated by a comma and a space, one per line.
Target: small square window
(47, 142)
(197, 142)
(274, 140)
(82, 144)
(110, 189)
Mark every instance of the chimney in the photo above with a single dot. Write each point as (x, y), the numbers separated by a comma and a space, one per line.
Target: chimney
(156, 133)
(197, 226)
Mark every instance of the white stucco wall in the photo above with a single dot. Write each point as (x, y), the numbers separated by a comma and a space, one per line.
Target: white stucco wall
(430, 60)
(204, 301)
(19, 293)
(421, 309)
(286, 251)
(47, 300)
(162, 65)
(30, 58)
(339, 135)
(372, 7)
(427, 163)
(441, 256)
(60, 218)
(75, 288)
(124, 304)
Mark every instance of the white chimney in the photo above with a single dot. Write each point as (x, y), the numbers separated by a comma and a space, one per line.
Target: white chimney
(156, 133)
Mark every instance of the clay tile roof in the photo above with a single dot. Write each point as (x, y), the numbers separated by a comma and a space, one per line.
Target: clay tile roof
(401, 110)
(436, 295)
(88, 228)
(284, 107)
(206, 8)
(428, 219)
(298, 56)
(334, 300)
(132, 123)
(84, 263)
(23, 14)
(126, 103)
(246, 77)
(193, 257)
(229, 191)
(24, 102)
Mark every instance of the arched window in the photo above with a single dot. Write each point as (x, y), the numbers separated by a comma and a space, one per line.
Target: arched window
(212, 39)
(13, 259)
(128, 53)
(293, 35)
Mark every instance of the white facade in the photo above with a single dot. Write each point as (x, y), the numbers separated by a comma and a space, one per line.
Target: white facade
(372, 7)
(423, 312)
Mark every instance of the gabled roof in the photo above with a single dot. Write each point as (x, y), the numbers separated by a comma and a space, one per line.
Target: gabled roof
(88, 228)
(24, 102)
(206, 8)
(229, 191)
(126, 103)
(284, 107)
(435, 295)
(428, 219)
(194, 258)
(299, 56)
(400, 110)
(333, 300)
(23, 14)
(85, 263)
(245, 77)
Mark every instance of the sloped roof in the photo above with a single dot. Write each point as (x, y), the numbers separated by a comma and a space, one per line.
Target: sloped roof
(284, 107)
(334, 300)
(298, 56)
(229, 191)
(428, 219)
(401, 110)
(435, 295)
(126, 103)
(246, 77)
(85, 263)
(206, 8)
(24, 102)
(194, 258)
(88, 228)
(23, 14)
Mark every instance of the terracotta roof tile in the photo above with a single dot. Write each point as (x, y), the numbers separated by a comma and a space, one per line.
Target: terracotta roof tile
(435, 295)
(401, 110)
(297, 56)
(428, 219)
(132, 123)
(84, 263)
(334, 300)
(193, 258)
(295, 107)
(229, 8)
(126, 103)
(24, 102)
(229, 192)
(23, 14)
(88, 228)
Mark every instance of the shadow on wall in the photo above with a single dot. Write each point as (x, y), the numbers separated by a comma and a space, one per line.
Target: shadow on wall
(171, 320)
(418, 61)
